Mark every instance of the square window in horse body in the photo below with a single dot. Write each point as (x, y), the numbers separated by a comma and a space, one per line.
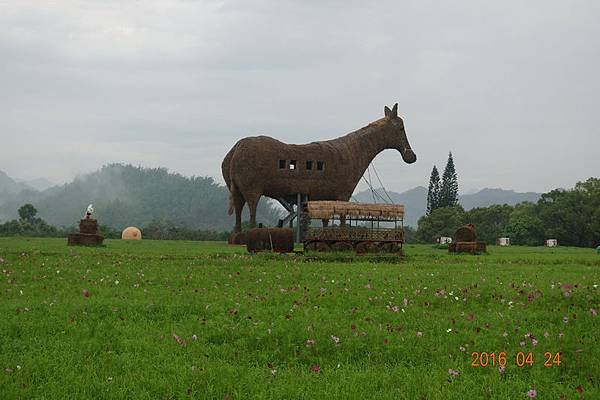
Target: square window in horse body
(282, 164)
(309, 165)
(320, 165)
(292, 164)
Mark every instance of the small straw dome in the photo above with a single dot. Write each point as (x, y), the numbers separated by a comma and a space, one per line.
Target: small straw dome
(131, 233)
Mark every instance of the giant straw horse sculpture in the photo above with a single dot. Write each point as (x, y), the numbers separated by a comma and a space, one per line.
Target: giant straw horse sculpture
(327, 170)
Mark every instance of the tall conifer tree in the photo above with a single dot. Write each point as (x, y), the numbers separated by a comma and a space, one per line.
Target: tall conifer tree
(449, 188)
(433, 193)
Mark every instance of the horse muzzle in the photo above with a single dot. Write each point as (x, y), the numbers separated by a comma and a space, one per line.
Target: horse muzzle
(408, 156)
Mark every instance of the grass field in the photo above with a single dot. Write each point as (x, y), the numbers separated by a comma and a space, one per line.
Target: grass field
(161, 320)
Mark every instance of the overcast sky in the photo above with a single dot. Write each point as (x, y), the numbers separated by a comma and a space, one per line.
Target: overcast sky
(510, 87)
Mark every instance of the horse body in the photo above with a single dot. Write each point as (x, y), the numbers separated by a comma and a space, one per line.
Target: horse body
(325, 170)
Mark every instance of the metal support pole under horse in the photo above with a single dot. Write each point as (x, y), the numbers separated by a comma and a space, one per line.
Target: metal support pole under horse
(298, 213)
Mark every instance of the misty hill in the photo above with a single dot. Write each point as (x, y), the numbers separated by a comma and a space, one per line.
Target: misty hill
(487, 197)
(124, 195)
(415, 200)
(37, 183)
(10, 186)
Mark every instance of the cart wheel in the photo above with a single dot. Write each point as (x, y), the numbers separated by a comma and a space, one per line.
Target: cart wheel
(323, 246)
(310, 246)
(341, 246)
(365, 247)
(389, 247)
(317, 246)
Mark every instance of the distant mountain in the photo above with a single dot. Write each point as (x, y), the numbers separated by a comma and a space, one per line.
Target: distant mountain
(487, 197)
(37, 183)
(415, 200)
(124, 195)
(10, 186)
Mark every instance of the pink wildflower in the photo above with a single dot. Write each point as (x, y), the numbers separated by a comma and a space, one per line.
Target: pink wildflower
(501, 369)
(453, 372)
(594, 311)
(336, 340)
(309, 342)
(567, 286)
(405, 302)
(565, 319)
(532, 393)
(315, 368)
(534, 342)
(546, 334)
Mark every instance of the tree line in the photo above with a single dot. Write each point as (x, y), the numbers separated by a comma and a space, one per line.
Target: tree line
(28, 224)
(570, 216)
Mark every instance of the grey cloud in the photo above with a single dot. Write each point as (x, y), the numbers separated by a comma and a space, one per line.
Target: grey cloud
(509, 87)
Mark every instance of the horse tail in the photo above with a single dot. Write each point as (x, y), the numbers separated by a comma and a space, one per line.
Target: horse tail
(226, 171)
(231, 205)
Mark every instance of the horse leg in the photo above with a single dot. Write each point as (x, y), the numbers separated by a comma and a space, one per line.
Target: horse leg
(253, 205)
(238, 202)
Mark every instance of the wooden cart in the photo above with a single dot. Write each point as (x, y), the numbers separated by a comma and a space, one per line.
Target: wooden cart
(360, 227)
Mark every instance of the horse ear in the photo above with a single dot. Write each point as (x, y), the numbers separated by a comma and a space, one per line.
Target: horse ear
(387, 111)
(395, 110)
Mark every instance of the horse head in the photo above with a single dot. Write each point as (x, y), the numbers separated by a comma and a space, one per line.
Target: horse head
(397, 134)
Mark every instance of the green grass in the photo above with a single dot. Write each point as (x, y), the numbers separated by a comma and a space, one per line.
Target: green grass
(252, 312)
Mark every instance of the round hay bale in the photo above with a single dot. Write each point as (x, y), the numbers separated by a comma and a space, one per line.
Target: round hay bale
(465, 233)
(238, 238)
(131, 233)
(270, 239)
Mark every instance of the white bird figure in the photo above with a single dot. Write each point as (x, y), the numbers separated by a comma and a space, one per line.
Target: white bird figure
(89, 211)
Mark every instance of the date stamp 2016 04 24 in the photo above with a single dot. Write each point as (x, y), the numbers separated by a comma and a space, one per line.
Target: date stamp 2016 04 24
(520, 359)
